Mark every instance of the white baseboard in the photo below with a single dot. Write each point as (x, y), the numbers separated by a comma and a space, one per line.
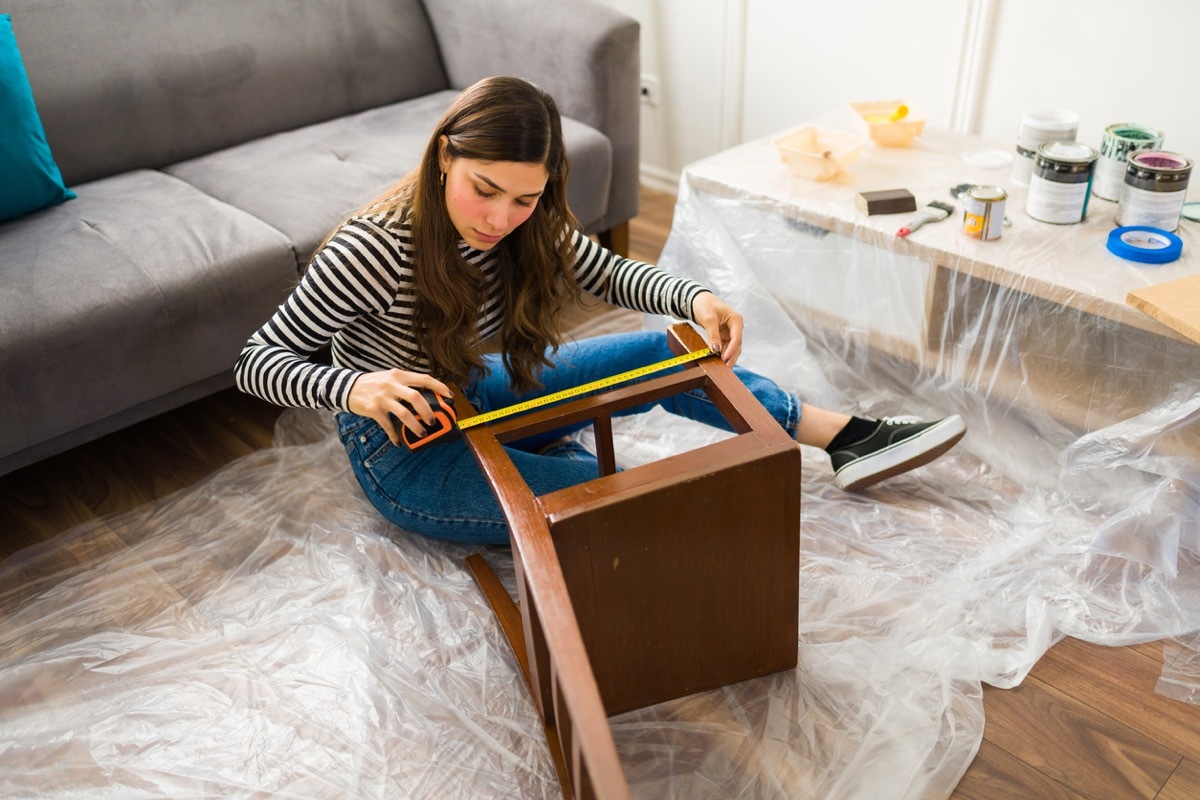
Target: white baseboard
(659, 179)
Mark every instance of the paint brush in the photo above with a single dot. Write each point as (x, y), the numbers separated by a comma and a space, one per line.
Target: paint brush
(934, 212)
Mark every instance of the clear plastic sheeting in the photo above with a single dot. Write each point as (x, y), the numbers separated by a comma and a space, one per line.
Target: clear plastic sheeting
(266, 634)
(263, 634)
(1181, 669)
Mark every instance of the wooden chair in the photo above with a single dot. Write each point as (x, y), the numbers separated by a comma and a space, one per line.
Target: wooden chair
(652, 583)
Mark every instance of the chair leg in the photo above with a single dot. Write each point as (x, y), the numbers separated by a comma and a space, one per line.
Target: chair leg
(616, 239)
(509, 616)
(506, 611)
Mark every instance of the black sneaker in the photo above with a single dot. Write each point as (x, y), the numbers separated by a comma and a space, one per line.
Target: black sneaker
(897, 445)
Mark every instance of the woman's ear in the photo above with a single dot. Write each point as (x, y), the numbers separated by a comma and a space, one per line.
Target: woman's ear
(444, 153)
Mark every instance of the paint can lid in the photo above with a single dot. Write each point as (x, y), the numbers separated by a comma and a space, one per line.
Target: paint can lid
(1162, 162)
(1191, 210)
(1060, 120)
(1134, 132)
(990, 193)
(1144, 244)
(1067, 152)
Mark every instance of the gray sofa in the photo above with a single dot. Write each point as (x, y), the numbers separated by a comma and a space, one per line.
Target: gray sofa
(213, 143)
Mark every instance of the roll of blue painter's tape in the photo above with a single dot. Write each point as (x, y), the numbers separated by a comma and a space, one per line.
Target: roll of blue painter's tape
(1144, 244)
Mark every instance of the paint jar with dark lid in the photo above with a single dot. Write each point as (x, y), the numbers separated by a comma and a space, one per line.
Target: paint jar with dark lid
(1155, 187)
(1061, 182)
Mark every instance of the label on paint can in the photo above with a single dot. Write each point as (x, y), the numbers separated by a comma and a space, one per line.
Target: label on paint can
(983, 212)
(1061, 181)
(1150, 209)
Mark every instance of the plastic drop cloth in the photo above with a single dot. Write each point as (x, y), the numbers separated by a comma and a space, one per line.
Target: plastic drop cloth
(265, 634)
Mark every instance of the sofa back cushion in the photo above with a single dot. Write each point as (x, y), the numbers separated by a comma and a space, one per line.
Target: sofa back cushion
(126, 83)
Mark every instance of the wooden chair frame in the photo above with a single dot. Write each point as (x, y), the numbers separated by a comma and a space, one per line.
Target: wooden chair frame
(681, 575)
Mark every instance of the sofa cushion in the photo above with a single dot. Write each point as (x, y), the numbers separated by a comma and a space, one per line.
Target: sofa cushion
(305, 182)
(129, 83)
(140, 286)
(30, 177)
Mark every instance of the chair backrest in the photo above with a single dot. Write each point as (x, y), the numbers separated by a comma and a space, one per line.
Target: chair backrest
(648, 584)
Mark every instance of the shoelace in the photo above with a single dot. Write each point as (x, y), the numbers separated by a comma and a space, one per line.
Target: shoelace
(903, 420)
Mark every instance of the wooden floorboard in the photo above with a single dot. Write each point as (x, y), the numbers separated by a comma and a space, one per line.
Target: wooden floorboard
(1075, 745)
(1184, 783)
(1119, 683)
(1087, 723)
(995, 774)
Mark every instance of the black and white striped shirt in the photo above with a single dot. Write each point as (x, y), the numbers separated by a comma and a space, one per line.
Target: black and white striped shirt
(359, 293)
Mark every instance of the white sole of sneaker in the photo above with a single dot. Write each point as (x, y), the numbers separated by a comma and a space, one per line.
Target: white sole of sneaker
(909, 454)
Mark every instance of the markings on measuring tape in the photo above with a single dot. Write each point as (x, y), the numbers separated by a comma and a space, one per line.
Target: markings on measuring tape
(576, 391)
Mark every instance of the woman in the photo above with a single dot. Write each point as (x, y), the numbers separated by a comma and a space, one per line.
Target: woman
(477, 247)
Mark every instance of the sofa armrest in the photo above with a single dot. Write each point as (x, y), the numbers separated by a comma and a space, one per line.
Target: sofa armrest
(584, 54)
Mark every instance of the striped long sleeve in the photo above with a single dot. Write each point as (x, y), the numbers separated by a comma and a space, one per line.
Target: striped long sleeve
(359, 295)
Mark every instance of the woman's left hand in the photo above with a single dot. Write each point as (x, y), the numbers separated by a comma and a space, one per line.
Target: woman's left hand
(722, 326)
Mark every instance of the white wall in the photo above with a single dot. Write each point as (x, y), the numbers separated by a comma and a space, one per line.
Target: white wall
(683, 46)
(732, 70)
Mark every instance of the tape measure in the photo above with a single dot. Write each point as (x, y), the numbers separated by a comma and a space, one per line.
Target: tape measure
(448, 423)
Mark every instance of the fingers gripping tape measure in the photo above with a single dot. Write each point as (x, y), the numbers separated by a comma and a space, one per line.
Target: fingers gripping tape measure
(447, 427)
(442, 428)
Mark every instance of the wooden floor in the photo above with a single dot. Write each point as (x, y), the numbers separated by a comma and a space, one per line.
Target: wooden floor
(1085, 724)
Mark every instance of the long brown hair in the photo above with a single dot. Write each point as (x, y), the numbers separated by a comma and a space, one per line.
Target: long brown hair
(497, 119)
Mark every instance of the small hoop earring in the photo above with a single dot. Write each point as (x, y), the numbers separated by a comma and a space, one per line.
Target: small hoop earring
(442, 179)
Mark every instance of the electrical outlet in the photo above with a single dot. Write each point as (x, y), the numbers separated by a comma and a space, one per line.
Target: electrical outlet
(649, 90)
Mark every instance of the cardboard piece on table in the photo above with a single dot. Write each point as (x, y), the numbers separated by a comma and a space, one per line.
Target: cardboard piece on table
(1175, 304)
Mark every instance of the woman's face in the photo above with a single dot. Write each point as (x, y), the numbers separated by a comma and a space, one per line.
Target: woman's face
(487, 200)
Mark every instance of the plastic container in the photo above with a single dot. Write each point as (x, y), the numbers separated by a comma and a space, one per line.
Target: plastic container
(818, 153)
(883, 130)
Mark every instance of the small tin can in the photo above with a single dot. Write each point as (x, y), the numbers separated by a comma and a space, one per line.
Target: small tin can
(983, 212)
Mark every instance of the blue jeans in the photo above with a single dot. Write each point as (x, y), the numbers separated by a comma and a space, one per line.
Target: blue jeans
(439, 490)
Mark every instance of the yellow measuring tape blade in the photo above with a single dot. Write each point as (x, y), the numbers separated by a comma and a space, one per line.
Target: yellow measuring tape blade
(576, 391)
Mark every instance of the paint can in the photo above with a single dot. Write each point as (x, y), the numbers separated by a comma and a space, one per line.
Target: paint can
(1061, 182)
(983, 212)
(1038, 126)
(1117, 143)
(1155, 187)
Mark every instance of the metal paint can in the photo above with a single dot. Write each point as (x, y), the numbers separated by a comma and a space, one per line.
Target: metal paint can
(1118, 143)
(1155, 187)
(1061, 182)
(983, 212)
(1038, 126)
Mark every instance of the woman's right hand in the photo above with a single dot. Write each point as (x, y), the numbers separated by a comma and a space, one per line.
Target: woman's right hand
(376, 394)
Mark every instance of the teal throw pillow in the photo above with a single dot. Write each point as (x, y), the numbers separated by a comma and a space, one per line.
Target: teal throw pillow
(29, 178)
